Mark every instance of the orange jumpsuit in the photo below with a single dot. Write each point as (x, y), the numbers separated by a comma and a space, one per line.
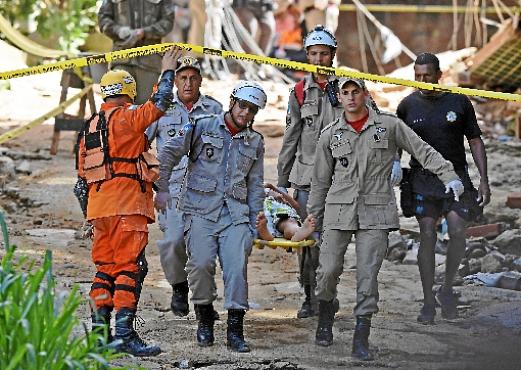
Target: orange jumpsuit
(120, 211)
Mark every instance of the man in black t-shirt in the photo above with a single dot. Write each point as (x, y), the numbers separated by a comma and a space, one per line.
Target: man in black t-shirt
(442, 120)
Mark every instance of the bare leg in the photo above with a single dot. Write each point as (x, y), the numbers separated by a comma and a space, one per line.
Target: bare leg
(456, 248)
(305, 230)
(426, 257)
(262, 227)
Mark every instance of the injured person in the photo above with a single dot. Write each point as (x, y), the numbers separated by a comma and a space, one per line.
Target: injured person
(280, 218)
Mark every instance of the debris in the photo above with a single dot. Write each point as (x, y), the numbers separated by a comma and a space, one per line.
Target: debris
(488, 231)
(509, 242)
(24, 167)
(510, 280)
(514, 200)
(7, 168)
(490, 263)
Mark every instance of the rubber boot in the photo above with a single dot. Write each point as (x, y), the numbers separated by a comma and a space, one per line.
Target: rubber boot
(326, 317)
(361, 338)
(179, 303)
(235, 331)
(205, 317)
(101, 324)
(128, 339)
(307, 309)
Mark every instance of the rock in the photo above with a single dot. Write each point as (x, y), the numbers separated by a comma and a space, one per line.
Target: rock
(7, 167)
(24, 167)
(397, 248)
(474, 265)
(509, 242)
(441, 247)
(490, 263)
(270, 128)
(510, 280)
(476, 248)
(464, 269)
(411, 257)
(439, 259)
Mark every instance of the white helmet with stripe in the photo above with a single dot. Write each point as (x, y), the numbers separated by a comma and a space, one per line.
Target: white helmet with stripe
(251, 92)
(320, 36)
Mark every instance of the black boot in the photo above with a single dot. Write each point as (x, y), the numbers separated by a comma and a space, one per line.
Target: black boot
(326, 317)
(128, 338)
(361, 338)
(205, 317)
(179, 303)
(101, 324)
(307, 309)
(235, 331)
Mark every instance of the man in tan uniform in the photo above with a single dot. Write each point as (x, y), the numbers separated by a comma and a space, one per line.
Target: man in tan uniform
(134, 23)
(351, 181)
(310, 109)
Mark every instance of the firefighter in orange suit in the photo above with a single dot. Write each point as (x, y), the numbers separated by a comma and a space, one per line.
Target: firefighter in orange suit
(119, 171)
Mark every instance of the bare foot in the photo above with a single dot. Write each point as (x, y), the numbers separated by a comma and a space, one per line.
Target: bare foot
(305, 230)
(262, 227)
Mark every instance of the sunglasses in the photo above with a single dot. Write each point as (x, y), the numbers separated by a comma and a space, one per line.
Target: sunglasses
(252, 108)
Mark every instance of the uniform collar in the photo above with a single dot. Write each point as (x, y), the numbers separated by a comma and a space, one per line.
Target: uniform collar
(199, 103)
(309, 82)
(370, 121)
(247, 133)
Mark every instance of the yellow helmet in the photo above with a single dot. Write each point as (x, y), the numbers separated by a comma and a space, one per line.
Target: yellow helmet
(118, 82)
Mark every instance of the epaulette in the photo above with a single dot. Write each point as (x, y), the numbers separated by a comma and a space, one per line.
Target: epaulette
(213, 99)
(330, 125)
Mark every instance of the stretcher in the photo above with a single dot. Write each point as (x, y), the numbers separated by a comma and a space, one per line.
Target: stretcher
(283, 243)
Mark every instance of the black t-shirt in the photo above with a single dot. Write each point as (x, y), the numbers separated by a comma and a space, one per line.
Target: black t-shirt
(441, 121)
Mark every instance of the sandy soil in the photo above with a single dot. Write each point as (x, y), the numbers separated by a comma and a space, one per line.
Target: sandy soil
(43, 214)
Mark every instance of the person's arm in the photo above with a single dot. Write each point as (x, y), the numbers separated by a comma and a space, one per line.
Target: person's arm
(107, 23)
(289, 142)
(322, 178)
(255, 189)
(479, 154)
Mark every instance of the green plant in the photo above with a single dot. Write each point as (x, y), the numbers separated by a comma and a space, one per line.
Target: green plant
(68, 20)
(38, 330)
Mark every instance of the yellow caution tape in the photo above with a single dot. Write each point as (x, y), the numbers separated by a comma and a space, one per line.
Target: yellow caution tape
(38, 121)
(283, 243)
(403, 8)
(26, 44)
(279, 63)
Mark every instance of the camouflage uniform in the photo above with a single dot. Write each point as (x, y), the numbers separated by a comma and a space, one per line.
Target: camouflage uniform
(119, 18)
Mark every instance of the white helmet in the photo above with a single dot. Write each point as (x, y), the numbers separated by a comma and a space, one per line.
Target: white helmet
(320, 36)
(251, 92)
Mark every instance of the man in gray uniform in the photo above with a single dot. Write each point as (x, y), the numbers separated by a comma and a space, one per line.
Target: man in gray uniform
(222, 194)
(133, 23)
(310, 109)
(351, 181)
(188, 102)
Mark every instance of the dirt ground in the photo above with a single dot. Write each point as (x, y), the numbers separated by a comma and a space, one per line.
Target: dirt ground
(42, 213)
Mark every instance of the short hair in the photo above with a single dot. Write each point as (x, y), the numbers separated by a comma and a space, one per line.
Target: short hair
(428, 58)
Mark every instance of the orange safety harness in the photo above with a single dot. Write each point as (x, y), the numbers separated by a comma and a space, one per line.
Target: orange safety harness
(98, 164)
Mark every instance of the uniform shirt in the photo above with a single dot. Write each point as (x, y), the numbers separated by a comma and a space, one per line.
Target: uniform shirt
(222, 170)
(441, 121)
(303, 126)
(351, 186)
(171, 123)
(155, 17)
(123, 196)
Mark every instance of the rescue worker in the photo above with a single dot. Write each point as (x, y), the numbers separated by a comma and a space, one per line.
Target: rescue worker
(188, 102)
(310, 109)
(222, 194)
(257, 17)
(114, 162)
(134, 23)
(442, 120)
(351, 182)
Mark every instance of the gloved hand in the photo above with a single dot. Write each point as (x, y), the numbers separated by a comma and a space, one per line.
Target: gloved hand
(124, 32)
(396, 173)
(316, 236)
(162, 201)
(457, 188)
(132, 39)
(87, 230)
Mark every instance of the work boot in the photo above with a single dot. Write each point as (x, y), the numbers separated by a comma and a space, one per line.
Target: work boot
(448, 302)
(101, 324)
(235, 331)
(427, 314)
(307, 309)
(205, 317)
(326, 317)
(361, 338)
(179, 303)
(128, 338)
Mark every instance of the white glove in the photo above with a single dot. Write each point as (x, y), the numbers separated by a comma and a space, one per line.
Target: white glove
(124, 32)
(457, 188)
(396, 173)
(162, 201)
(87, 230)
